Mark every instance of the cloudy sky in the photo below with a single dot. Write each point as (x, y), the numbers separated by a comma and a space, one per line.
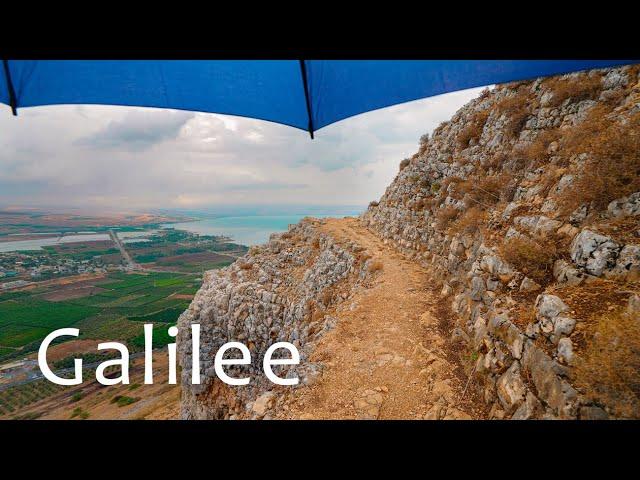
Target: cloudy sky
(121, 158)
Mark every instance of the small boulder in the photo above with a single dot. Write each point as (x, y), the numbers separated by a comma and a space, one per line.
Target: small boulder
(529, 285)
(565, 351)
(594, 252)
(625, 206)
(511, 388)
(263, 403)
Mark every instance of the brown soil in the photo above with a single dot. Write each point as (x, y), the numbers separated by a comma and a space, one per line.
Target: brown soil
(181, 296)
(386, 358)
(73, 347)
(194, 258)
(591, 300)
(72, 293)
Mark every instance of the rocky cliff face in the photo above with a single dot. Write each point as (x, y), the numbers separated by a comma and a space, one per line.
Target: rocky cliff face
(526, 205)
(277, 292)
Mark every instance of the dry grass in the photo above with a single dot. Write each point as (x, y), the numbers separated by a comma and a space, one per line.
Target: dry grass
(517, 109)
(480, 189)
(473, 129)
(375, 266)
(612, 167)
(533, 257)
(608, 371)
(244, 265)
(469, 221)
(326, 296)
(421, 204)
(575, 88)
(536, 153)
(495, 162)
(446, 215)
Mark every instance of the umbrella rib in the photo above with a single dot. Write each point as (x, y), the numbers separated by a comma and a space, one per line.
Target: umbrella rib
(303, 70)
(12, 93)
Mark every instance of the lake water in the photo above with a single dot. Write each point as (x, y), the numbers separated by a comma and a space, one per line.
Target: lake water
(246, 229)
(38, 243)
(243, 229)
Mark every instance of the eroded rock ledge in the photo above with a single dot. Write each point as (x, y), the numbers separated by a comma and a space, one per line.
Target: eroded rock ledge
(277, 292)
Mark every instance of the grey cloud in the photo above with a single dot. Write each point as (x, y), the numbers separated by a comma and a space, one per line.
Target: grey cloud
(138, 130)
(150, 158)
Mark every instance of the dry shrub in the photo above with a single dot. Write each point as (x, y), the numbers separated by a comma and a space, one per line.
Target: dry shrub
(424, 143)
(608, 370)
(244, 265)
(576, 88)
(549, 178)
(473, 129)
(438, 130)
(444, 186)
(533, 257)
(496, 161)
(536, 153)
(488, 189)
(375, 266)
(485, 190)
(404, 164)
(612, 167)
(468, 222)
(420, 204)
(326, 296)
(373, 203)
(446, 215)
(315, 243)
(517, 109)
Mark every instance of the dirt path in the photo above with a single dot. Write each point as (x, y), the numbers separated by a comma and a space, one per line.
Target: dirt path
(385, 358)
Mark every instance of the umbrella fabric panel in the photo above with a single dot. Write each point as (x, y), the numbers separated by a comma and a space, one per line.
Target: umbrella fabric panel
(4, 91)
(343, 88)
(267, 90)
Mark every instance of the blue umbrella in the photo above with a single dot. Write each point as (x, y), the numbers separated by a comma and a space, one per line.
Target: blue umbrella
(305, 94)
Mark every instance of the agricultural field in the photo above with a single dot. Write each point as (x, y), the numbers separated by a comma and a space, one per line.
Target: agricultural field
(91, 400)
(181, 251)
(111, 308)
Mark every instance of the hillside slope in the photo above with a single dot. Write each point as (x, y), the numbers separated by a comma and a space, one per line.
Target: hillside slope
(522, 213)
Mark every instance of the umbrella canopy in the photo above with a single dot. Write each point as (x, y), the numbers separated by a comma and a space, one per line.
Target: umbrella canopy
(306, 94)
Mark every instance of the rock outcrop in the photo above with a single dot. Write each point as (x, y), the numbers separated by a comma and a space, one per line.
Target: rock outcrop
(277, 292)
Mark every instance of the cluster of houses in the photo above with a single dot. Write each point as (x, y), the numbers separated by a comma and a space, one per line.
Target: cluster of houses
(17, 269)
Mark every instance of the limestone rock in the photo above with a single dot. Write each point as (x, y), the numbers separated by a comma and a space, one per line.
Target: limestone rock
(628, 263)
(626, 206)
(563, 272)
(549, 307)
(594, 252)
(263, 403)
(565, 351)
(529, 285)
(551, 388)
(511, 387)
(529, 409)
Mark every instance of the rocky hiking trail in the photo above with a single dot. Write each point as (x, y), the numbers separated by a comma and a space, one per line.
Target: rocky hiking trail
(386, 358)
